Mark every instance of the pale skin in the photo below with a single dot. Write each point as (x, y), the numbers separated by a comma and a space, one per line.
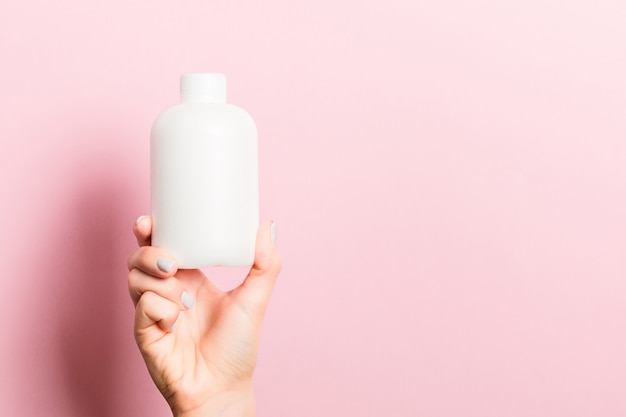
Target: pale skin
(200, 344)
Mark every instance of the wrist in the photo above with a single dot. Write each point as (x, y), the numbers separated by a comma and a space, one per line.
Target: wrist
(235, 403)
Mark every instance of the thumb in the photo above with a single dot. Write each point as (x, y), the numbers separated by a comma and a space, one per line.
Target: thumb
(256, 289)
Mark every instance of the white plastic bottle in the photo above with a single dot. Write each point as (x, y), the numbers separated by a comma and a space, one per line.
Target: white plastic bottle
(204, 177)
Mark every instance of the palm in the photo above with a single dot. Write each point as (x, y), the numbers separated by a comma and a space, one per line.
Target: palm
(214, 345)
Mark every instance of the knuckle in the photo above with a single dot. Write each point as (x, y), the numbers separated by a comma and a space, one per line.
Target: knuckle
(141, 302)
(133, 280)
(130, 260)
(146, 260)
(146, 299)
(136, 258)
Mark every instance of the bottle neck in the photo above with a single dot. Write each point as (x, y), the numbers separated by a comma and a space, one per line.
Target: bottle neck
(202, 87)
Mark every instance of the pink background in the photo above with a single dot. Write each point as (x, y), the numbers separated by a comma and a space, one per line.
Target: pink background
(448, 180)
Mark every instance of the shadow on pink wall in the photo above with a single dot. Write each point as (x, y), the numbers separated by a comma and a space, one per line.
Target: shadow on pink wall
(89, 330)
(88, 321)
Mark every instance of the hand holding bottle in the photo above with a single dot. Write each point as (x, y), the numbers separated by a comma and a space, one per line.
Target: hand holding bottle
(200, 344)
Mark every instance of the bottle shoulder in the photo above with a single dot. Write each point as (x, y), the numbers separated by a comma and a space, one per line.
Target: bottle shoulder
(203, 114)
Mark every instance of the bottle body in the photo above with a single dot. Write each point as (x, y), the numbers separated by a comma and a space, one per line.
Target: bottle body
(204, 184)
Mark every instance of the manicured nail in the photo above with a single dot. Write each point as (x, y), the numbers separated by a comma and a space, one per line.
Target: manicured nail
(139, 219)
(165, 264)
(174, 325)
(273, 232)
(188, 300)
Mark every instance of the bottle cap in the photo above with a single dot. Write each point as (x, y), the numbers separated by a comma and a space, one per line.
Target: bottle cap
(203, 86)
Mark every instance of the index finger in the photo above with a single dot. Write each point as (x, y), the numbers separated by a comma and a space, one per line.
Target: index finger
(143, 230)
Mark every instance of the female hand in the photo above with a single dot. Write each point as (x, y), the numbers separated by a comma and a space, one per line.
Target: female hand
(200, 344)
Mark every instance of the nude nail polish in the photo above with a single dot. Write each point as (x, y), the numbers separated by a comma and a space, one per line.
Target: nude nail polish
(188, 300)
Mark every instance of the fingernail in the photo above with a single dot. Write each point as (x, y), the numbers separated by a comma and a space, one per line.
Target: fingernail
(273, 232)
(188, 300)
(165, 264)
(139, 219)
(174, 325)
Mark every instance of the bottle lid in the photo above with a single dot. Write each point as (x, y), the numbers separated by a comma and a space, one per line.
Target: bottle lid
(203, 86)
